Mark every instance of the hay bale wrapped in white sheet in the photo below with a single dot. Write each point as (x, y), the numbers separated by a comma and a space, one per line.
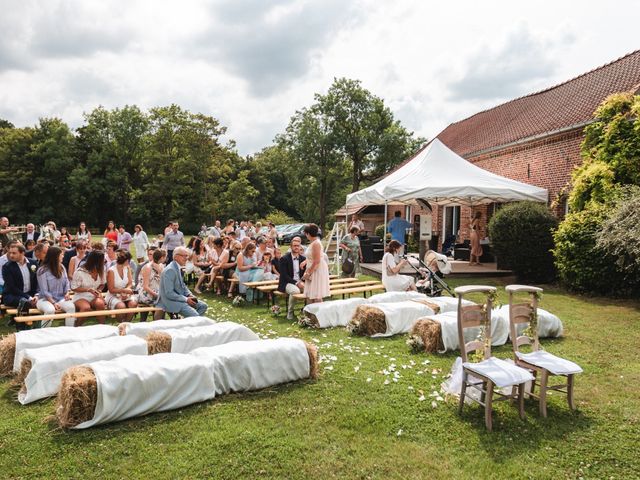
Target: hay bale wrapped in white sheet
(245, 366)
(130, 386)
(448, 304)
(14, 345)
(392, 297)
(142, 329)
(334, 313)
(449, 330)
(42, 368)
(184, 340)
(387, 319)
(549, 325)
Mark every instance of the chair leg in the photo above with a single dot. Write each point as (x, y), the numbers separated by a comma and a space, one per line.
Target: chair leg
(544, 379)
(488, 407)
(483, 395)
(463, 391)
(521, 400)
(533, 383)
(570, 379)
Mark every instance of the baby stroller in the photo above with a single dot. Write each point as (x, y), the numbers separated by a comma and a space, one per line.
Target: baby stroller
(431, 274)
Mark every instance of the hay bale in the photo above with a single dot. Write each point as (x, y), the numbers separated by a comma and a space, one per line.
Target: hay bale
(7, 354)
(122, 328)
(25, 368)
(309, 320)
(312, 350)
(78, 397)
(158, 342)
(426, 333)
(431, 305)
(367, 320)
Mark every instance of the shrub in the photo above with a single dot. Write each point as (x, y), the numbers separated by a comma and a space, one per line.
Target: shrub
(582, 265)
(592, 182)
(522, 237)
(279, 218)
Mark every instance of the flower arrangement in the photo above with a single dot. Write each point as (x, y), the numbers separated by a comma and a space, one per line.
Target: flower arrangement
(33, 268)
(532, 328)
(238, 301)
(275, 310)
(485, 329)
(415, 343)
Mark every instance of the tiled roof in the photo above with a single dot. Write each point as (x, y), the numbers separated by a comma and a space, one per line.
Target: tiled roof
(565, 105)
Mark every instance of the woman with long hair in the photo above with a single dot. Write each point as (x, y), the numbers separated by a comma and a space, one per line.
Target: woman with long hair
(150, 284)
(78, 258)
(201, 263)
(120, 286)
(83, 233)
(391, 278)
(476, 249)
(316, 275)
(140, 242)
(54, 287)
(247, 270)
(87, 283)
(228, 263)
(215, 257)
(351, 251)
(110, 233)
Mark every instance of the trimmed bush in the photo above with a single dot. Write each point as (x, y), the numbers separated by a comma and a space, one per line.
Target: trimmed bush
(582, 266)
(522, 238)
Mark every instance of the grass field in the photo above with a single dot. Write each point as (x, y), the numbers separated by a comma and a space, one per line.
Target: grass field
(350, 424)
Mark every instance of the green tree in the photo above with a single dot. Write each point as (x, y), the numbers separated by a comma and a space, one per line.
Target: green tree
(364, 130)
(16, 176)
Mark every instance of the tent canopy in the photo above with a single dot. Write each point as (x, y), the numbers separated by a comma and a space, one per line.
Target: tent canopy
(440, 176)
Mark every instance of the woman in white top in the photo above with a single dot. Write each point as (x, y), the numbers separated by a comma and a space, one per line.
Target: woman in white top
(120, 285)
(140, 242)
(215, 257)
(87, 284)
(150, 283)
(391, 278)
(79, 258)
(83, 233)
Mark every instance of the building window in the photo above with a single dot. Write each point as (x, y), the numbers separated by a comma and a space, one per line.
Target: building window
(451, 221)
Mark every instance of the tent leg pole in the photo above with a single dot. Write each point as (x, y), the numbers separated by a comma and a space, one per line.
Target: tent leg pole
(384, 234)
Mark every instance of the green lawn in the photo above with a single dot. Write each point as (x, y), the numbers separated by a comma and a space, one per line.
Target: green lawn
(349, 424)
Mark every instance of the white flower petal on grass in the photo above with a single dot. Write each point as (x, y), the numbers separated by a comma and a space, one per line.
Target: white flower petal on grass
(421, 398)
(399, 432)
(434, 404)
(369, 379)
(387, 382)
(329, 367)
(426, 362)
(356, 368)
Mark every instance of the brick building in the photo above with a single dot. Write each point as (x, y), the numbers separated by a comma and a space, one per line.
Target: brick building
(533, 139)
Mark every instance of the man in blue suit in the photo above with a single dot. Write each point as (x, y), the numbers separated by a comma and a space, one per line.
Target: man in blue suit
(174, 296)
(20, 280)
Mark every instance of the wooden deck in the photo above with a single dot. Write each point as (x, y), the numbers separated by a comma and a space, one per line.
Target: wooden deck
(460, 268)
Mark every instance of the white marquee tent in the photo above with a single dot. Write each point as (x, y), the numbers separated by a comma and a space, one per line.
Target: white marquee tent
(441, 177)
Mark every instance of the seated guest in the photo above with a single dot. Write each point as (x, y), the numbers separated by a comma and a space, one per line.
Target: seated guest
(275, 262)
(4, 259)
(201, 263)
(290, 281)
(20, 281)
(120, 286)
(228, 263)
(78, 258)
(215, 255)
(138, 270)
(267, 266)
(391, 278)
(30, 234)
(174, 296)
(40, 251)
(87, 283)
(110, 256)
(262, 248)
(69, 251)
(29, 246)
(54, 286)
(150, 282)
(247, 270)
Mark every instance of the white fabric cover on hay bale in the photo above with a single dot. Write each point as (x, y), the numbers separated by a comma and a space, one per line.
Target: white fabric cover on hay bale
(185, 340)
(400, 316)
(130, 386)
(49, 363)
(549, 325)
(45, 337)
(448, 304)
(244, 366)
(141, 329)
(392, 297)
(334, 313)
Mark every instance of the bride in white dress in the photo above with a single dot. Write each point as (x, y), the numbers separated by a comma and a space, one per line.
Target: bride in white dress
(391, 279)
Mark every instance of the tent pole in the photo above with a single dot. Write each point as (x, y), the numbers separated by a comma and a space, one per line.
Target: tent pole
(384, 234)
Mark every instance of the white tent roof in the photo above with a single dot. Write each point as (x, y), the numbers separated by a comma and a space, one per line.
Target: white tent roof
(442, 177)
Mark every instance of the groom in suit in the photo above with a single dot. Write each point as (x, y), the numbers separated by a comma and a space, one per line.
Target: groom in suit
(174, 296)
(290, 281)
(20, 280)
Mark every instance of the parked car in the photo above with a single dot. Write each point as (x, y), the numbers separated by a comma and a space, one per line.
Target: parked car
(297, 231)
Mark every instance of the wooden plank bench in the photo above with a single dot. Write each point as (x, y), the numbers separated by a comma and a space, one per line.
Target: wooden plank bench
(347, 290)
(93, 313)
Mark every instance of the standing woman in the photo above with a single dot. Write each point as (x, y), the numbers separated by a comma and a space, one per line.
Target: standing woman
(140, 242)
(83, 233)
(350, 245)
(273, 234)
(120, 285)
(391, 278)
(316, 276)
(151, 283)
(87, 283)
(476, 248)
(54, 287)
(110, 233)
(78, 259)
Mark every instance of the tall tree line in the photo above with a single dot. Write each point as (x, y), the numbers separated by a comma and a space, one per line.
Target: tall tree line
(149, 167)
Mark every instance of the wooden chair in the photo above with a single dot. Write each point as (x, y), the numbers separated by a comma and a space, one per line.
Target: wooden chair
(538, 361)
(490, 372)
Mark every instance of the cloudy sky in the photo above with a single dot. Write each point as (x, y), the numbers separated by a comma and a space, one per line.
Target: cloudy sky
(252, 63)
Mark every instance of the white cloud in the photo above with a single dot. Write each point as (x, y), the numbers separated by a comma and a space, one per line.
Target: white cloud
(252, 63)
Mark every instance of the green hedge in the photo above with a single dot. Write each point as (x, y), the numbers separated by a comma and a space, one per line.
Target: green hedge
(522, 238)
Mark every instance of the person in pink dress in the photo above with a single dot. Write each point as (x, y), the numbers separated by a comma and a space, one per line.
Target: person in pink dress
(476, 248)
(316, 276)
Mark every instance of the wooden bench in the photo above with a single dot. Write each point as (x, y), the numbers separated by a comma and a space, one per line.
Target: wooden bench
(348, 290)
(93, 313)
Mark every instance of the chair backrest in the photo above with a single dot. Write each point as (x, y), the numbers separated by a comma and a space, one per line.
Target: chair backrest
(474, 316)
(520, 313)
